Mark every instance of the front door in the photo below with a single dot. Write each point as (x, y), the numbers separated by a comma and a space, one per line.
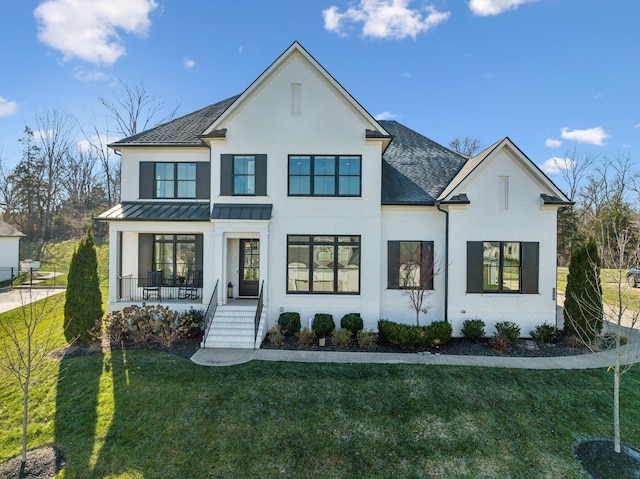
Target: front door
(249, 267)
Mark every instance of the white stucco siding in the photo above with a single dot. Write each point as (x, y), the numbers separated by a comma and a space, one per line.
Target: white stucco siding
(10, 248)
(132, 156)
(525, 219)
(412, 223)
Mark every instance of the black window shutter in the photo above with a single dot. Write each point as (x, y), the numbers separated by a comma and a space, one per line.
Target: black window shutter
(426, 248)
(530, 254)
(226, 175)
(199, 262)
(203, 180)
(145, 255)
(393, 264)
(147, 175)
(261, 175)
(474, 266)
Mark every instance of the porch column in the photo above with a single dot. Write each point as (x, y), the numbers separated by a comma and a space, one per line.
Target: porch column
(115, 261)
(264, 263)
(219, 262)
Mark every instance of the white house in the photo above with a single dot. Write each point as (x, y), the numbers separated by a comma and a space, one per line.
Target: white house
(293, 191)
(10, 249)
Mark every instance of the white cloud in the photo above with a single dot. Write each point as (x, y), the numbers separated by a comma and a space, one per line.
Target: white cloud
(86, 146)
(7, 108)
(386, 19)
(638, 125)
(41, 134)
(89, 76)
(593, 136)
(386, 115)
(484, 8)
(555, 165)
(188, 63)
(89, 30)
(551, 143)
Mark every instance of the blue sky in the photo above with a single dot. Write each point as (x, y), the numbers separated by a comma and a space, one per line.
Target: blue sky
(553, 75)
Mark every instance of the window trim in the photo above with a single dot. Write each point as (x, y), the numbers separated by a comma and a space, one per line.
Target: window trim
(312, 176)
(176, 181)
(244, 175)
(336, 244)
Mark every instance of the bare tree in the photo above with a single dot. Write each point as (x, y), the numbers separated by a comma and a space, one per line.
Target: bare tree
(135, 109)
(467, 146)
(55, 139)
(109, 163)
(27, 341)
(416, 274)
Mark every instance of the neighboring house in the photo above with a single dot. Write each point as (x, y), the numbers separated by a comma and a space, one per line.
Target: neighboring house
(294, 188)
(10, 251)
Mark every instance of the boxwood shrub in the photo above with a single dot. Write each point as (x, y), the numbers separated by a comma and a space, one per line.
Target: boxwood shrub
(352, 322)
(510, 329)
(290, 322)
(473, 329)
(322, 325)
(413, 337)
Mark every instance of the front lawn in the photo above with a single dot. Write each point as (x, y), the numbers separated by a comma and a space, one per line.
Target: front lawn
(137, 414)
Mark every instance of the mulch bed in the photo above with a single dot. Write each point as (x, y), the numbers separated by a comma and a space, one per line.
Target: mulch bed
(457, 346)
(43, 463)
(600, 460)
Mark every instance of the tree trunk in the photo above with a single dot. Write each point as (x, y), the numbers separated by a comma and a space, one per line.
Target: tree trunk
(25, 416)
(616, 399)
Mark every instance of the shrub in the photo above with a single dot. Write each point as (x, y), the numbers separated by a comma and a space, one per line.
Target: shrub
(510, 329)
(305, 337)
(352, 322)
(473, 329)
(191, 323)
(290, 323)
(341, 338)
(573, 342)
(165, 328)
(276, 335)
(367, 339)
(322, 325)
(413, 337)
(583, 313)
(116, 327)
(83, 303)
(500, 342)
(545, 333)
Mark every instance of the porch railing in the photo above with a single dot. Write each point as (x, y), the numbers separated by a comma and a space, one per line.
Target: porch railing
(256, 320)
(211, 311)
(145, 289)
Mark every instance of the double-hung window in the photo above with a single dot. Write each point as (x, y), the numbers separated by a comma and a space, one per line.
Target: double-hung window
(322, 175)
(244, 175)
(410, 265)
(323, 264)
(175, 180)
(502, 267)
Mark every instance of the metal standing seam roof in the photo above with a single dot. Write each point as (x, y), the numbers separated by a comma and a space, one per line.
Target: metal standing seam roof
(157, 211)
(228, 211)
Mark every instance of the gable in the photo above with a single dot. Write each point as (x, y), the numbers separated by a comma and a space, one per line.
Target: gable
(503, 159)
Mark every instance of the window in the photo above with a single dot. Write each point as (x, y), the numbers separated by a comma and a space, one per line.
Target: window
(502, 267)
(324, 175)
(174, 255)
(244, 175)
(175, 180)
(410, 265)
(323, 264)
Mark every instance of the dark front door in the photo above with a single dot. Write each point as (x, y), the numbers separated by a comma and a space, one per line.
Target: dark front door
(249, 267)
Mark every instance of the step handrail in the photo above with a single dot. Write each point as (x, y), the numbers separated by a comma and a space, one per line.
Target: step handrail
(256, 320)
(211, 311)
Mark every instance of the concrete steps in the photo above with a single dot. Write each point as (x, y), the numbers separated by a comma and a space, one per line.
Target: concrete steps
(232, 328)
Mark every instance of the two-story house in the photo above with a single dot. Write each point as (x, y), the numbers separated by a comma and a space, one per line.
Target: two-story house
(293, 191)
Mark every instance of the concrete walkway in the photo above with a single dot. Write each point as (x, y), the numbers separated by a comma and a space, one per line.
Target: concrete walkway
(17, 297)
(230, 357)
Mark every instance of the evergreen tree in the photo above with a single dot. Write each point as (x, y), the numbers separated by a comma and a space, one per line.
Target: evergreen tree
(583, 303)
(83, 306)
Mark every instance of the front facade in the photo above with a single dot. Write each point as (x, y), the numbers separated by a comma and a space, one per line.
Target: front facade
(292, 189)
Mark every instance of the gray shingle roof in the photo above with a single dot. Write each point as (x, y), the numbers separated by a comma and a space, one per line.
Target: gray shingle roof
(154, 211)
(7, 230)
(415, 170)
(183, 131)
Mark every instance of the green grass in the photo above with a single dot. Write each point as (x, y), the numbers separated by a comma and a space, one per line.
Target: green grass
(609, 279)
